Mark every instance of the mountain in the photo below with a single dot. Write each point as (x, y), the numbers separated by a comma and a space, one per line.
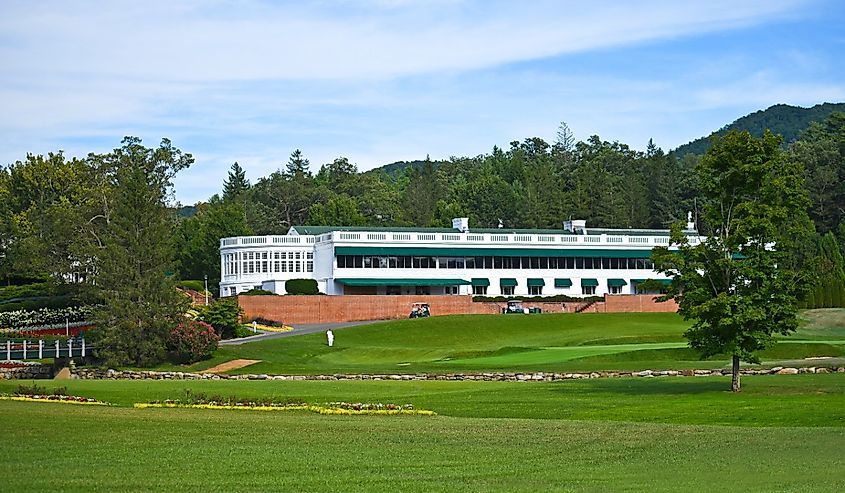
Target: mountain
(394, 169)
(782, 119)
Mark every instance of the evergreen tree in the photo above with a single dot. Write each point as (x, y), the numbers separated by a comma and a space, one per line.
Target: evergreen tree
(297, 165)
(140, 305)
(236, 184)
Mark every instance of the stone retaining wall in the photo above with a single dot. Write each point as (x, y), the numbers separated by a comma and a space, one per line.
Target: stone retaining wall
(87, 373)
(28, 372)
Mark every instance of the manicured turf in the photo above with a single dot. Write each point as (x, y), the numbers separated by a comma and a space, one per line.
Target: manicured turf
(548, 342)
(790, 400)
(782, 433)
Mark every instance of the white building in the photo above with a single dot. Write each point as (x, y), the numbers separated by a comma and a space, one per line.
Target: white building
(574, 261)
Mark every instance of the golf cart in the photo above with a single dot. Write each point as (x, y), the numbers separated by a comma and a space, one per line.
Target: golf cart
(514, 306)
(419, 310)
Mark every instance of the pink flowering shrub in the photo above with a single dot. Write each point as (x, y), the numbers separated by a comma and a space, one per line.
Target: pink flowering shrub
(192, 341)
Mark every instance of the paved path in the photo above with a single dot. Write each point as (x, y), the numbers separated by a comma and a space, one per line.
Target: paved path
(298, 330)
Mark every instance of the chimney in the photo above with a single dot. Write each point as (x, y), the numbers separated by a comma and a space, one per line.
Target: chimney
(575, 226)
(690, 222)
(461, 224)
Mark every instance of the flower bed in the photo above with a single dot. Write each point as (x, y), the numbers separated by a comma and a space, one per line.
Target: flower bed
(17, 364)
(35, 393)
(200, 401)
(46, 316)
(272, 328)
(372, 410)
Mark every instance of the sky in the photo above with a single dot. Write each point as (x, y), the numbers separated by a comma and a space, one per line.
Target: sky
(379, 81)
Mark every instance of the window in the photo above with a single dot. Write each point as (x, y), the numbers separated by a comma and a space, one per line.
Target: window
(451, 290)
(479, 290)
(535, 290)
(264, 264)
(588, 290)
(507, 290)
(393, 290)
(423, 290)
(615, 289)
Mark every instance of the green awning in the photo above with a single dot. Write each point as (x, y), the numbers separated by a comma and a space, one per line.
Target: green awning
(507, 281)
(589, 282)
(563, 283)
(617, 283)
(536, 282)
(496, 252)
(401, 282)
(479, 281)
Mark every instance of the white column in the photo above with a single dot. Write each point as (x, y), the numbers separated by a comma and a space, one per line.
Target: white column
(40, 348)
(24, 349)
(70, 348)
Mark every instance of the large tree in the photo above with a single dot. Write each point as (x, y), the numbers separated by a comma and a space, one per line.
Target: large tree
(134, 268)
(198, 238)
(738, 285)
(236, 184)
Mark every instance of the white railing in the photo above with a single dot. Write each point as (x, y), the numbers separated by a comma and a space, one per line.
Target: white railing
(470, 238)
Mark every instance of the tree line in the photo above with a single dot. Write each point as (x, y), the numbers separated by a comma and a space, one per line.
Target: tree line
(532, 184)
(109, 220)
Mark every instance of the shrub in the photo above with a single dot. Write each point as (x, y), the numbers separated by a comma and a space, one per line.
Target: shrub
(537, 299)
(257, 292)
(192, 284)
(301, 286)
(192, 341)
(223, 315)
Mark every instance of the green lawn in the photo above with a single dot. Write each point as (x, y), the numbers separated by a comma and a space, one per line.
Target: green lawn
(782, 433)
(548, 342)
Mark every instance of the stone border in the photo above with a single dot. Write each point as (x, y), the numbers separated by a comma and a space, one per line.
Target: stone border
(97, 374)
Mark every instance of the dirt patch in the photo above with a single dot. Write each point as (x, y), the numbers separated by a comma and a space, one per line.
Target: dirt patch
(232, 365)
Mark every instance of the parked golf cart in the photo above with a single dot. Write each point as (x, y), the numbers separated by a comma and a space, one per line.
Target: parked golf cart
(515, 306)
(419, 310)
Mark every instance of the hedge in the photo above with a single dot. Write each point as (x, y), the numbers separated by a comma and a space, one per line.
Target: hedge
(301, 286)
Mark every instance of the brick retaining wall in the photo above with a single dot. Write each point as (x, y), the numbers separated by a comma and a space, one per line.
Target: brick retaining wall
(351, 308)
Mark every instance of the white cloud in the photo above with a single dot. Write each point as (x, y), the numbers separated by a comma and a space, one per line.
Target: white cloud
(376, 81)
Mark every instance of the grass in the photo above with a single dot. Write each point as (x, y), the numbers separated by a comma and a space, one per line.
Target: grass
(548, 342)
(779, 434)
(798, 400)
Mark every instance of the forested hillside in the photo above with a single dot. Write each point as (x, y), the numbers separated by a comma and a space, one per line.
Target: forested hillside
(530, 184)
(788, 121)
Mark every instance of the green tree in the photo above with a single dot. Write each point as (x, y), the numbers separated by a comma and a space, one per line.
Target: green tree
(224, 315)
(297, 164)
(198, 239)
(140, 305)
(736, 285)
(338, 211)
(236, 184)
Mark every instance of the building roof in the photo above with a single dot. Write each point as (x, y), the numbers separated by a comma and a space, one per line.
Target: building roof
(318, 230)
